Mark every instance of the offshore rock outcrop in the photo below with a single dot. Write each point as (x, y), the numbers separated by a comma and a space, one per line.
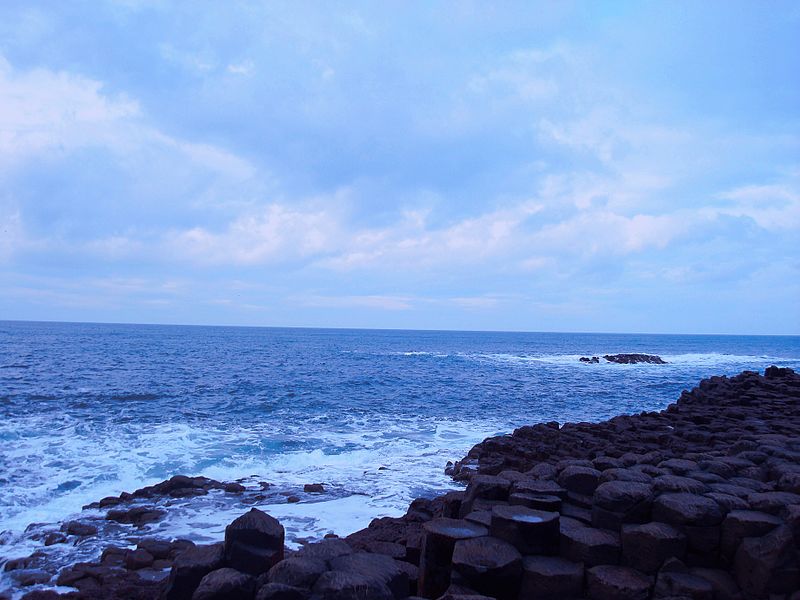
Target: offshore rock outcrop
(701, 500)
(626, 359)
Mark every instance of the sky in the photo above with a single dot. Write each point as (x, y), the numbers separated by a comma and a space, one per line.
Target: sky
(527, 166)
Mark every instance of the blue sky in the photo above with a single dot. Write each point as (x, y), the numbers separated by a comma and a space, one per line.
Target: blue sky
(523, 166)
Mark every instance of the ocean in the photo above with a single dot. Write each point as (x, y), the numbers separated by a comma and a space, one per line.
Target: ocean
(92, 410)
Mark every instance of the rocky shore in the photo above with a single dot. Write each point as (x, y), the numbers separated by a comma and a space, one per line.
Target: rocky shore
(701, 501)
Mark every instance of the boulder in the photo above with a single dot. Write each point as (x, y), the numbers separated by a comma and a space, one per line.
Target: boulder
(581, 480)
(225, 584)
(297, 572)
(254, 542)
(189, 569)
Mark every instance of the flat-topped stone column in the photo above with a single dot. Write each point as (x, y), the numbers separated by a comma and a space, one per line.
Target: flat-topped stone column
(530, 531)
(438, 543)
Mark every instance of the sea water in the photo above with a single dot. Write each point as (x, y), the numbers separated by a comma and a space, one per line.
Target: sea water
(91, 410)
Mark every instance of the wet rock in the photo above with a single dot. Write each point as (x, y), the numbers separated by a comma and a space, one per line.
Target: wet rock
(189, 569)
(530, 531)
(138, 515)
(489, 565)
(79, 529)
(234, 488)
(606, 582)
(254, 542)
(646, 547)
(158, 548)
(550, 578)
(314, 488)
(632, 359)
(138, 559)
(28, 577)
(54, 538)
(225, 584)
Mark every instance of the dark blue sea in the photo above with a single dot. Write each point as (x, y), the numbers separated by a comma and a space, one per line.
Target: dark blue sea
(90, 410)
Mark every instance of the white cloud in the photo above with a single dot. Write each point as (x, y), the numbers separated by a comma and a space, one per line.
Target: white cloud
(279, 233)
(45, 112)
(773, 206)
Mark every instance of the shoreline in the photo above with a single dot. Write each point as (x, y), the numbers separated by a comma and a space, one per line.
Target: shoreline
(686, 485)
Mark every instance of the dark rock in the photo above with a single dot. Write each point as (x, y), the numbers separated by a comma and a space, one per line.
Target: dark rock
(590, 546)
(646, 547)
(606, 582)
(530, 531)
(341, 585)
(550, 578)
(632, 359)
(581, 480)
(489, 565)
(381, 569)
(686, 509)
(138, 559)
(325, 550)
(768, 564)
(138, 515)
(54, 538)
(279, 591)
(438, 543)
(739, 524)
(79, 529)
(158, 548)
(189, 569)
(722, 583)
(28, 577)
(254, 542)
(315, 488)
(684, 585)
(234, 488)
(225, 584)
(297, 572)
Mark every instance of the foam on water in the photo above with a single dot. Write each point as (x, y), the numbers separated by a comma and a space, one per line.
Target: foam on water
(88, 411)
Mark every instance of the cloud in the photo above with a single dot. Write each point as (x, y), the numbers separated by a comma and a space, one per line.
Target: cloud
(276, 234)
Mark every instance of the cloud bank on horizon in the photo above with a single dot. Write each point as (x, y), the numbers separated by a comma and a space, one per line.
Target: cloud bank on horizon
(536, 166)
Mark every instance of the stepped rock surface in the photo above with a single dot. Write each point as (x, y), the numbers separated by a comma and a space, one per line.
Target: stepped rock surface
(701, 500)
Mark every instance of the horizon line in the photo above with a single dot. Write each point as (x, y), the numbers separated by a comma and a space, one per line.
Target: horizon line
(342, 328)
